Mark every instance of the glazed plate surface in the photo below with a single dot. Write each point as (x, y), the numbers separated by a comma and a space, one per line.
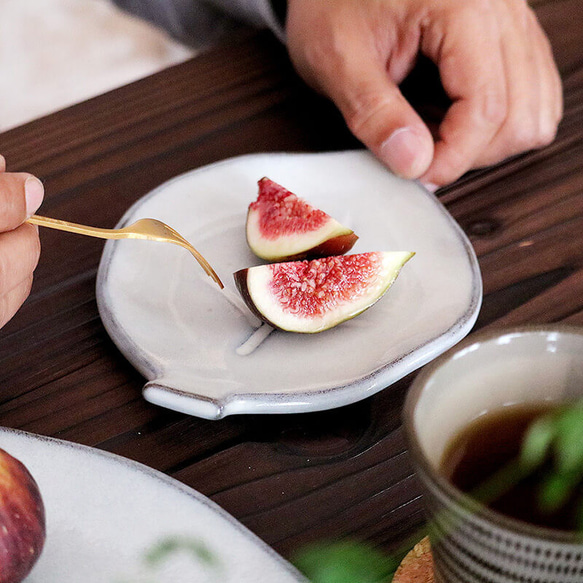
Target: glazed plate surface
(105, 514)
(176, 327)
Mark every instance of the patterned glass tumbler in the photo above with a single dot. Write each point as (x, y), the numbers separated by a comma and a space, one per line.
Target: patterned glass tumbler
(472, 543)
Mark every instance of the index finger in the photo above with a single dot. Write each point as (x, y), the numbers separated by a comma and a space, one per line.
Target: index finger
(469, 59)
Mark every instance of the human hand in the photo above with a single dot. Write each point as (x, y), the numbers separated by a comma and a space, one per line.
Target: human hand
(20, 196)
(494, 60)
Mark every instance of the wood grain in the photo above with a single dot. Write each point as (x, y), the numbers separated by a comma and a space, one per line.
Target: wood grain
(291, 479)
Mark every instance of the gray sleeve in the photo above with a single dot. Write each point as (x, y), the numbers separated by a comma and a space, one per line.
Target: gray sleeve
(257, 13)
(200, 23)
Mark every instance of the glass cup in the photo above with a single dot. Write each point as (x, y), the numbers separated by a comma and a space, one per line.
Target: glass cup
(472, 543)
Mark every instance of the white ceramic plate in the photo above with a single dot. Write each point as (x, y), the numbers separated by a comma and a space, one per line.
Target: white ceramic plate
(105, 513)
(181, 333)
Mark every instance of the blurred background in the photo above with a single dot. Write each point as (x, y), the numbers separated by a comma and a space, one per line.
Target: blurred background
(54, 53)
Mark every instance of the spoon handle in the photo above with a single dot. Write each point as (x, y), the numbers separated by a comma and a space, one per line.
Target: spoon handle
(75, 228)
(143, 229)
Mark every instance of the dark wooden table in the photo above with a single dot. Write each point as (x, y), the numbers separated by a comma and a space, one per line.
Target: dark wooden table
(291, 479)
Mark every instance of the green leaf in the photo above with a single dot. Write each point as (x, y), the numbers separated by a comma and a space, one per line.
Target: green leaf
(569, 440)
(170, 545)
(554, 492)
(537, 443)
(345, 562)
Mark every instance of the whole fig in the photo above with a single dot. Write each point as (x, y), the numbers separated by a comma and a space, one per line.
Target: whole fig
(22, 520)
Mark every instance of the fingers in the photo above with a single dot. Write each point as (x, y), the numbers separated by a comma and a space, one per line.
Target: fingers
(534, 96)
(506, 91)
(495, 63)
(19, 254)
(20, 196)
(472, 74)
(344, 49)
(379, 116)
(11, 301)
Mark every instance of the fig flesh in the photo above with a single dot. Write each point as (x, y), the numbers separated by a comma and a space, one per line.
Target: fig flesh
(22, 520)
(283, 227)
(312, 296)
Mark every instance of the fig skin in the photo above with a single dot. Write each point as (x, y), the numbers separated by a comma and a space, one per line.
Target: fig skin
(338, 245)
(291, 238)
(240, 278)
(263, 300)
(22, 520)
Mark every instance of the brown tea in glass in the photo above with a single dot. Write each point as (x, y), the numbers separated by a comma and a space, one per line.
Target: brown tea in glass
(492, 442)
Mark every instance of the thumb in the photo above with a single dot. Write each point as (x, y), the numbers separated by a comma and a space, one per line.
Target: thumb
(20, 196)
(378, 115)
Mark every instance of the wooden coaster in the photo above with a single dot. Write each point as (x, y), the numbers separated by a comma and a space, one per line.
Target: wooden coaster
(417, 566)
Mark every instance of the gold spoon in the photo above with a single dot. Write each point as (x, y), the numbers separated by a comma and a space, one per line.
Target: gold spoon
(150, 229)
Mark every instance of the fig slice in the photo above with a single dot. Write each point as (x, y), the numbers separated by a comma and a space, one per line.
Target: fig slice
(312, 296)
(283, 227)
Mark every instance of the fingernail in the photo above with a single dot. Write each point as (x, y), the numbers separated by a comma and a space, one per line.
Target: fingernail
(34, 192)
(2, 163)
(404, 153)
(430, 186)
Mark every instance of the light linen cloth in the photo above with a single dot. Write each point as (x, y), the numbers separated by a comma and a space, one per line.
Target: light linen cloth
(54, 53)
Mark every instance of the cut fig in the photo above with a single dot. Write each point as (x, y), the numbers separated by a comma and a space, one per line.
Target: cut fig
(283, 227)
(312, 296)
